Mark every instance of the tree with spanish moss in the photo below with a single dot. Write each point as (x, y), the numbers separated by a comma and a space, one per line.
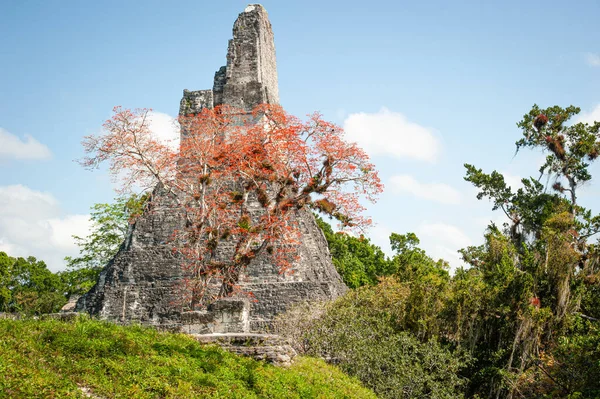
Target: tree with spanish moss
(536, 270)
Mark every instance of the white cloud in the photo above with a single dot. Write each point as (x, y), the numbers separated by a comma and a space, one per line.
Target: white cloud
(446, 233)
(443, 241)
(438, 192)
(32, 224)
(63, 230)
(592, 59)
(589, 117)
(341, 114)
(450, 255)
(165, 128)
(6, 247)
(12, 147)
(390, 133)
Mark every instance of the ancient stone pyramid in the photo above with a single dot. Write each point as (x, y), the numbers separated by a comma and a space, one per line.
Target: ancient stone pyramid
(139, 284)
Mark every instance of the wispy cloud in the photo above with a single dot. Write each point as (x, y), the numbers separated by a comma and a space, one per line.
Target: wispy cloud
(13, 147)
(392, 134)
(592, 59)
(438, 192)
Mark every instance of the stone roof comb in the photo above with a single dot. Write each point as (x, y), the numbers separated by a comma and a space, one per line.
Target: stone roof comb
(250, 77)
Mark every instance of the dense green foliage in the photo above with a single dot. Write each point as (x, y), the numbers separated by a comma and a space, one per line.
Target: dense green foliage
(357, 260)
(537, 274)
(368, 334)
(52, 359)
(386, 334)
(361, 263)
(27, 286)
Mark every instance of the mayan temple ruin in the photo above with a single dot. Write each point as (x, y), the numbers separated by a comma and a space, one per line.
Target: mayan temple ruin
(139, 283)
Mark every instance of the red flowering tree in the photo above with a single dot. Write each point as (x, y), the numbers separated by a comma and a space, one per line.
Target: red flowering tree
(240, 179)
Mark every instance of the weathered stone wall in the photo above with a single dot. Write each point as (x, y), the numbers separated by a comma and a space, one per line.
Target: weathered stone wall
(141, 283)
(269, 348)
(250, 76)
(219, 84)
(194, 101)
(71, 304)
(251, 72)
(227, 315)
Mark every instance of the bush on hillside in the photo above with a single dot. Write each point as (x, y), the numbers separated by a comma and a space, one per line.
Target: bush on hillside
(363, 333)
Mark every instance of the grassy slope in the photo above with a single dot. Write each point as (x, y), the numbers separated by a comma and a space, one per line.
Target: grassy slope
(52, 359)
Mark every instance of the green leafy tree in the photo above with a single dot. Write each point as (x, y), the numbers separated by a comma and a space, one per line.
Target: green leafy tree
(527, 310)
(428, 282)
(6, 268)
(570, 148)
(110, 224)
(571, 368)
(357, 260)
(534, 274)
(27, 286)
(388, 334)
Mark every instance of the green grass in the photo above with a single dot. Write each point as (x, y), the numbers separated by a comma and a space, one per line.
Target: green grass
(53, 359)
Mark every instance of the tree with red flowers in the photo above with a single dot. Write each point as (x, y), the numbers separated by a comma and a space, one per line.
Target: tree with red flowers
(240, 180)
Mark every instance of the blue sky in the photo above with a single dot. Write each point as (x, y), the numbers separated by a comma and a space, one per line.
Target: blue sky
(424, 86)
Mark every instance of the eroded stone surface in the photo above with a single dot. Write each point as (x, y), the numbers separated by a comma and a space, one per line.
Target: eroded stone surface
(227, 315)
(71, 304)
(250, 76)
(141, 283)
(266, 347)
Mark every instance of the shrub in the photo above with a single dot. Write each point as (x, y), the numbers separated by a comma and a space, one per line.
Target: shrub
(363, 334)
